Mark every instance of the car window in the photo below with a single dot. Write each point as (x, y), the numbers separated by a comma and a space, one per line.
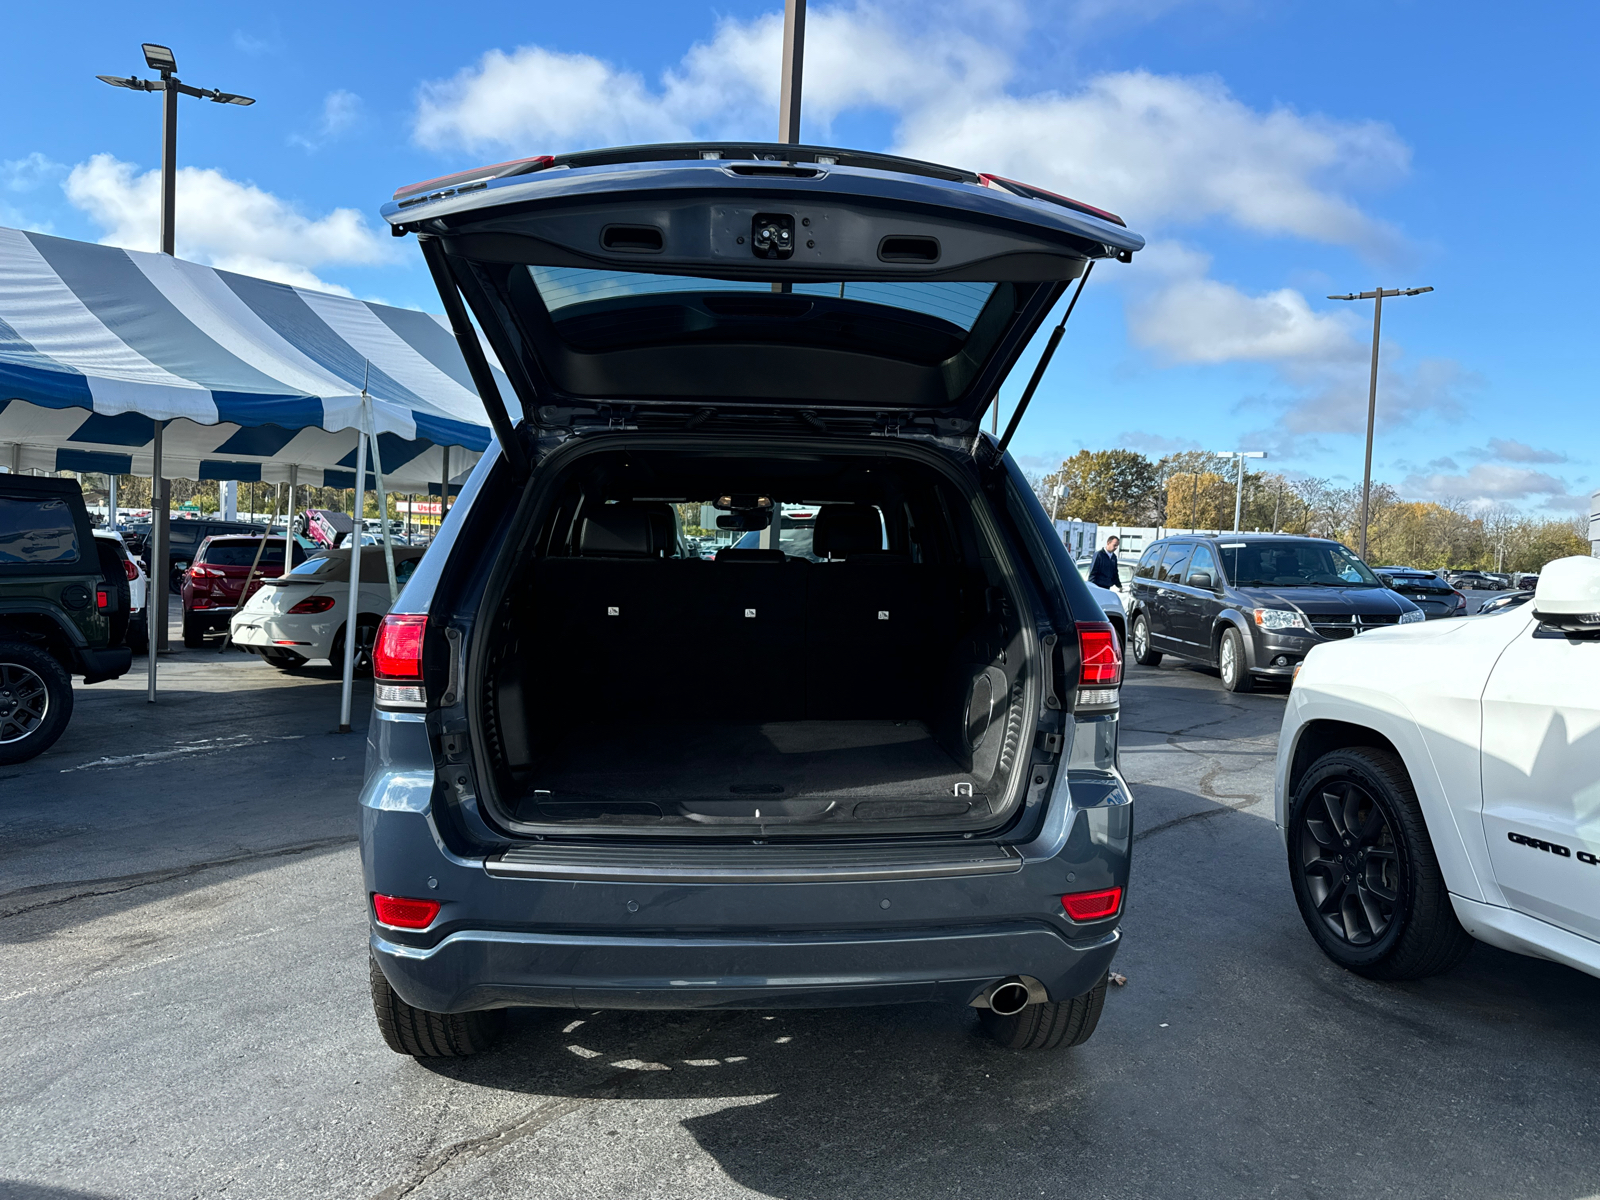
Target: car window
(182, 534)
(1292, 562)
(403, 571)
(1205, 561)
(37, 531)
(1172, 562)
(242, 554)
(1148, 560)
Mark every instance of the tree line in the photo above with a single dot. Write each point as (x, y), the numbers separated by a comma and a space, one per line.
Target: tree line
(1195, 490)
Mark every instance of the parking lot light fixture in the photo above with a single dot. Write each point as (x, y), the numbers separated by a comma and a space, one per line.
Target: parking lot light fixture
(1376, 296)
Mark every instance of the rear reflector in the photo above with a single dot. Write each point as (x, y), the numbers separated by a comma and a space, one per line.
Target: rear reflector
(1100, 654)
(397, 653)
(100, 598)
(402, 913)
(1086, 906)
(313, 604)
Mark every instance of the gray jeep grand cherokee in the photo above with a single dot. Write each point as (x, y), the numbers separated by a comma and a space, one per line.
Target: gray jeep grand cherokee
(604, 772)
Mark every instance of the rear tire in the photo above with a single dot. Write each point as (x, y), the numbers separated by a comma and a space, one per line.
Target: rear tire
(35, 701)
(1234, 667)
(1142, 653)
(1050, 1025)
(194, 633)
(284, 660)
(1364, 872)
(423, 1034)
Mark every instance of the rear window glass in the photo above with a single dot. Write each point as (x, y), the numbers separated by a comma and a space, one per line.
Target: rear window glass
(956, 303)
(37, 531)
(242, 554)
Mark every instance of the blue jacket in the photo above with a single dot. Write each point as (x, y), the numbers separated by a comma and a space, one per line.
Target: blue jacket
(1104, 571)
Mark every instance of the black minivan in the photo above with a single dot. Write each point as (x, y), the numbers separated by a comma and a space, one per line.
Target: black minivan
(1253, 605)
(606, 773)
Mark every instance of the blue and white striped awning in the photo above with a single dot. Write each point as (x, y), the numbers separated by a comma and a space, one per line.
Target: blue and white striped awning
(98, 343)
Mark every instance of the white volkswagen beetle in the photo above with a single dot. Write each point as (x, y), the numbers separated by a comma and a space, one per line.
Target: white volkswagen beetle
(1441, 782)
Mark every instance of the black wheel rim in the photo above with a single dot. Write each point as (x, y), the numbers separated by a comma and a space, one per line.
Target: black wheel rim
(24, 702)
(1350, 862)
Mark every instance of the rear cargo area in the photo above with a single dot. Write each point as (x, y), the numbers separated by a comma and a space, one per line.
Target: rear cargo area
(862, 671)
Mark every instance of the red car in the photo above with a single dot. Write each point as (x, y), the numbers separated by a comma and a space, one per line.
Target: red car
(214, 584)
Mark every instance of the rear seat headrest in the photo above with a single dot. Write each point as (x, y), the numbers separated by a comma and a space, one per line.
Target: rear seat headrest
(624, 531)
(846, 529)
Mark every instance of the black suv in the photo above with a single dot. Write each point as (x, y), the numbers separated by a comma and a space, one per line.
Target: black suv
(63, 610)
(606, 773)
(1253, 605)
(1426, 589)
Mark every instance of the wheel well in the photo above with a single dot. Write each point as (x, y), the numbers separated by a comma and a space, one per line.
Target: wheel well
(37, 631)
(1319, 737)
(1122, 630)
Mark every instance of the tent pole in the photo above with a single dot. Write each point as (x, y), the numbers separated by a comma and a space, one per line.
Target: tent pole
(353, 610)
(383, 496)
(444, 490)
(111, 501)
(288, 521)
(155, 588)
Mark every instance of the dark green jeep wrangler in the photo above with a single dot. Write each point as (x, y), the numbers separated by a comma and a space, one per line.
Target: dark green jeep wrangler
(63, 611)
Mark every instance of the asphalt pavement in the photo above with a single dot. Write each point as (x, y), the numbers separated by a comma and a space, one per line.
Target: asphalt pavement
(183, 1011)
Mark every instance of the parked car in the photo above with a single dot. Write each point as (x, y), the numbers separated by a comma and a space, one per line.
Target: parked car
(863, 795)
(226, 572)
(1438, 786)
(1427, 590)
(1526, 581)
(1476, 581)
(303, 615)
(63, 610)
(1253, 605)
(1508, 601)
(185, 536)
(136, 634)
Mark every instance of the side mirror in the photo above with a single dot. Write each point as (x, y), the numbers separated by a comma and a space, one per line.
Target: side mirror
(1200, 579)
(1567, 598)
(1386, 580)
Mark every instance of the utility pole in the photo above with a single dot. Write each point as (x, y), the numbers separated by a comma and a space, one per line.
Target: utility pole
(161, 59)
(1238, 495)
(794, 53)
(1376, 296)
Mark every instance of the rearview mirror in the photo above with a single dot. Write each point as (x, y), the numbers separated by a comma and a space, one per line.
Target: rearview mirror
(1200, 579)
(745, 522)
(1567, 598)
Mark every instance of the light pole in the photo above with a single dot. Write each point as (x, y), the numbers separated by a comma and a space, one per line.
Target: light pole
(1376, 296)
(1238, 495)
(160, 58)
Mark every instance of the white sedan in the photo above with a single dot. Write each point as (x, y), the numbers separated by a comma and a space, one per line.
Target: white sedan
(302, 615)
(1441, 782)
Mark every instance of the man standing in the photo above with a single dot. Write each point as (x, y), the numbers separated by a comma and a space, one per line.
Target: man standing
(1104, 571)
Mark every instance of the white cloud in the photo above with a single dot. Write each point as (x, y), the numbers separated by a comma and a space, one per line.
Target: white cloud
(30, 172)
(1511, 450)
(222, 222)
(1187, 317)
(341, 112)
(1493, 483)
(1161, 149)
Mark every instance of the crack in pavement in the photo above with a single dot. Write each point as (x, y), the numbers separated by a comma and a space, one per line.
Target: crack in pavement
(110, 885)
(527, 1124)
(1245, 799)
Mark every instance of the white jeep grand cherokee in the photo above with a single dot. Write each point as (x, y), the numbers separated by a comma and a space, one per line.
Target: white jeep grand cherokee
(1438, 783)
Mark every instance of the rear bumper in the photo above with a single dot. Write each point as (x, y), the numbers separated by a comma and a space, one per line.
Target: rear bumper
(99, 665)
(486, 969)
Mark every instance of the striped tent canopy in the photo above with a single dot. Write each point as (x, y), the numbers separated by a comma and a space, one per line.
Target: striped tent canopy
(252, 377)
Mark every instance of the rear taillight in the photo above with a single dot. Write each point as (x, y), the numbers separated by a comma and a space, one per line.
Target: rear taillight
(402, 913)
(1100, 674)
(130, 569)
(397, 660)
(1088, 906)
(101, 599)
(1461, 601)
(313, 604)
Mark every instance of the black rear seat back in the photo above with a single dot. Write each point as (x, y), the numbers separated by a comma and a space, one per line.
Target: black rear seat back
(751, 610)
(874, 621)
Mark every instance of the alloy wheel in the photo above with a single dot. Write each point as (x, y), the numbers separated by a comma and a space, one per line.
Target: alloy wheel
(1230, 661)
(1141, 638)
(1351, 863)
(24, 702)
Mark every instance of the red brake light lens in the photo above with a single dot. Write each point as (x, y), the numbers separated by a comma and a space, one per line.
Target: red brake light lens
(130, 569)
(397, 653)
(403, 913)
(1100, 654)
(313, 604)
(1088, 906)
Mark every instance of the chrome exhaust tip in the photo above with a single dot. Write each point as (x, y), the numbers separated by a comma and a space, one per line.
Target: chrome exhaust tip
(1008, 997)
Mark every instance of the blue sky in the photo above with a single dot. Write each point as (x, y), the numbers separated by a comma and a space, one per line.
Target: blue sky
(1272, 153)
